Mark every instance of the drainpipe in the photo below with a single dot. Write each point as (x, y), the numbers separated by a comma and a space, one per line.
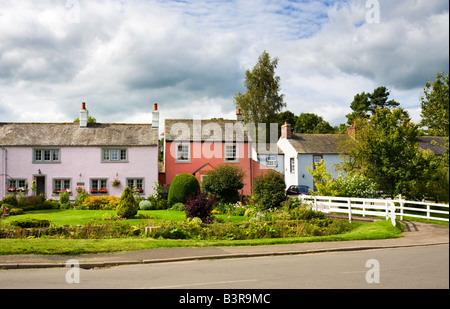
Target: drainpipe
(4, 166)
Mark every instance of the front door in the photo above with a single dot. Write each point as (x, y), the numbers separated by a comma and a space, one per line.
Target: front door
(40, 185)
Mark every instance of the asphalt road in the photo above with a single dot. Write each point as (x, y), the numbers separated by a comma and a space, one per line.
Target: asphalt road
(395, 268)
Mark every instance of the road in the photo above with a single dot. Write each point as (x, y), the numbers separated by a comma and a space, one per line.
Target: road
(405, 268)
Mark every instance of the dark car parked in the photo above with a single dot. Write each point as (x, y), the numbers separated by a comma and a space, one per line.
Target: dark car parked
(298, 190)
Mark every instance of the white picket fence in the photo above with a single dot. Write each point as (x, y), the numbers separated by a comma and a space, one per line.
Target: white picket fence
(390, 209)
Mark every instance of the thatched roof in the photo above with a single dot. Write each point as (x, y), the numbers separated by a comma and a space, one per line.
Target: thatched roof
(70, 134)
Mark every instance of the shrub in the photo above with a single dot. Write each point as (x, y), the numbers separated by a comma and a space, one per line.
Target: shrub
(145, 205)
(103, 202)
(225, 182)
(182, 186)
(15, 211)
(200, 206)
(178, 207)
(51, 204)
(64, 197)
(269, 190)
(81, 195)
(30, 222)
(10, 199)
(127, 207)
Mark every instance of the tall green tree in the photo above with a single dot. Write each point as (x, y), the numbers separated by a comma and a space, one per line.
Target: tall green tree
(385, 150)
(365, 104)
(435, 107)
(312, 123)
(262, 101)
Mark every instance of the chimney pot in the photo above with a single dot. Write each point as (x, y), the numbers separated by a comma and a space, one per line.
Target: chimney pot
(239, 115)
(155, 106)
(83, 106)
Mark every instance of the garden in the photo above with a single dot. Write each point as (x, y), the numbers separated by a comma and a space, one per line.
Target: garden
(181, 215)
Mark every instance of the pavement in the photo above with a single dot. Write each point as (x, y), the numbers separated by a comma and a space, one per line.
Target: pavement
(416, 234)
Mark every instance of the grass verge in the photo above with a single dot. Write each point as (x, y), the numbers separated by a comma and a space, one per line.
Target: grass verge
(361, 231)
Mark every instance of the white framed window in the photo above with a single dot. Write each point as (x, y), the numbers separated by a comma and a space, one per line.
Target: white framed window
(183, 152)
(231, 152)
(136, 184)
(61, 184)
(292, 165)
(17, 185)
(99, 185)
(114, 155)
(271, 161)
(46, 156)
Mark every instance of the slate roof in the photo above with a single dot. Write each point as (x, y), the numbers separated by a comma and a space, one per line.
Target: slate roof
(212, 130)
(70, 134)
(425, 143)
(317, 143)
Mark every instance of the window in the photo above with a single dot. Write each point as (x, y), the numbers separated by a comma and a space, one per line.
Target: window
(183, 153)
(136, 184)
(114, 155)
(17, 185)
(316, 160)
(61, 185)
(271, 161)
(98, 186)
(292, 165)
(230, 152)
(46, 155)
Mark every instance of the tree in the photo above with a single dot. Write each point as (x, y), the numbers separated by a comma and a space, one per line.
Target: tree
(365, 104)
(385, 150)
(435, 107)
(224, 182)
(312, 123)
(269, 190)
(262, 101)
(127, 207)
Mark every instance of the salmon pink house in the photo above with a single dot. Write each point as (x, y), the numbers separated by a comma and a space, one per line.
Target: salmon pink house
(101, 158)
(196, 146)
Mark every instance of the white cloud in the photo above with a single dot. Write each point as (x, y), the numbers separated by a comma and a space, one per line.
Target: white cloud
(191, 56)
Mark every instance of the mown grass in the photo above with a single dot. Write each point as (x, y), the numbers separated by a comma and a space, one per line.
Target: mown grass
(361, 231)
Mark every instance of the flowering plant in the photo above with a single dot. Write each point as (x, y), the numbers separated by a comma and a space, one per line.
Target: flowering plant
(11, 189)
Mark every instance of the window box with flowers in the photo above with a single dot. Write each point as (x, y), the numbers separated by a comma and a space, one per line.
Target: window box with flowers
(11, 189)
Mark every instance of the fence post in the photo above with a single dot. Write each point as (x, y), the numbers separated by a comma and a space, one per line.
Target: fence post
(349, 211)
(428, 211)
(364, 208)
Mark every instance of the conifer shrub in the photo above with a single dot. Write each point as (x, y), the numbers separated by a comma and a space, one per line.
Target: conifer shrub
(127, 207)
(182, 187)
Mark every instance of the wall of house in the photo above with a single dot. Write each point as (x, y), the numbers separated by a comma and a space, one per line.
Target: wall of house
(211, 153)
(80, 165)
(306, 160)
(289, 152)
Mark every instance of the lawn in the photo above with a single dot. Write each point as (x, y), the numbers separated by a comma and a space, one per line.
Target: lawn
(375, 230)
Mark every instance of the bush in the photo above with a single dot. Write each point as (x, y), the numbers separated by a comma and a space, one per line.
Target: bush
(145, 205)
(269, 190)
(200, 206)
(51, 204)
(30, 222)
(103, 202)
(10, 199)
(127, 207)
(15, 211)
(182, 187)
(64, 197)
(178, 207)
(225, 182)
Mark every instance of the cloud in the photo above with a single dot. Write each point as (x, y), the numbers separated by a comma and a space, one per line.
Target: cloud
(190, 56)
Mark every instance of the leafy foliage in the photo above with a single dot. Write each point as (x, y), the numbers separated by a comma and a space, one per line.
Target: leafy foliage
(182, 186)
(200, 206)
(224, 182)
(269, 190)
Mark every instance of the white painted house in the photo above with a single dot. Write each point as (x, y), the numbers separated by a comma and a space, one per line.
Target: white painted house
(302, 150)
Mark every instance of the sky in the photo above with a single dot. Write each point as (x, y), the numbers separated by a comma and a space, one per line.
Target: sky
(190, 56)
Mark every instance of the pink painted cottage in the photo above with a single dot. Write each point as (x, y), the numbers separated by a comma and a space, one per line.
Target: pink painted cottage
(102, 158)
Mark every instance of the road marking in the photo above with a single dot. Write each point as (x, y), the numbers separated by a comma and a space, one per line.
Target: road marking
(202, 283)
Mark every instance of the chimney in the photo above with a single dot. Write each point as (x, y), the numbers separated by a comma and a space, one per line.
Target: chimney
(155, 117)
(286, 131)
(351, 131)
(84, 116)
(239, 115)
